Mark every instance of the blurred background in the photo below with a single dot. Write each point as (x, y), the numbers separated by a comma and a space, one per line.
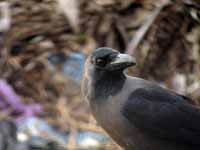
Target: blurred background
(43, 47)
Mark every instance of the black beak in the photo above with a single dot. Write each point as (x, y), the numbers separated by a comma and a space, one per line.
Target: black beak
(122, 61)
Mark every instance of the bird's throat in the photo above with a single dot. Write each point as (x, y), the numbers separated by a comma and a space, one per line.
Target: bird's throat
(107, 84)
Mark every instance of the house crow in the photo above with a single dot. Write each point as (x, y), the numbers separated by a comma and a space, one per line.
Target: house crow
(138, 114)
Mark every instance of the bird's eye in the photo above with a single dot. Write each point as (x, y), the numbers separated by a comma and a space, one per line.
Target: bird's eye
(101, 62)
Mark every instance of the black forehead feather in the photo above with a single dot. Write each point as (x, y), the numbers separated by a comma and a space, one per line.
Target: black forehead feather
(103, 52)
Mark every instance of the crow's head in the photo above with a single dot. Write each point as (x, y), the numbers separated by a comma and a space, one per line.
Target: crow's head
(108, 60)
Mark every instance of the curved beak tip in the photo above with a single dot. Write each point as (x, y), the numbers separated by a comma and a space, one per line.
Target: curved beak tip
(124, 59)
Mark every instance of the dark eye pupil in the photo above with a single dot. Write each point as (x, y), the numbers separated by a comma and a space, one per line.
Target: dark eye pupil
(100, 62)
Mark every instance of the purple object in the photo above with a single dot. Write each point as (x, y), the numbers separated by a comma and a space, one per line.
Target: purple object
(9, 99)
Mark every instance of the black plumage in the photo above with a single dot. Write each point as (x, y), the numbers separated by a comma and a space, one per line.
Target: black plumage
(166, 116)
(136, 113)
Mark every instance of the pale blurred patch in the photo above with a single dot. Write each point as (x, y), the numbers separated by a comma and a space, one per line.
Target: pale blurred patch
(70, 8)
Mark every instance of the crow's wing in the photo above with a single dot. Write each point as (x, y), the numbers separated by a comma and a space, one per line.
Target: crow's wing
(164, 114)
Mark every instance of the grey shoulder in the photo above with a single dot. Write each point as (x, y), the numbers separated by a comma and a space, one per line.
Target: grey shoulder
(141, 83)
(151, 91)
